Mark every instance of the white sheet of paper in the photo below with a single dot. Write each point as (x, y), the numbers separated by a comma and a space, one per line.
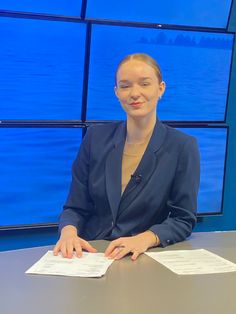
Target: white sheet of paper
(89, 265)
(193, 262)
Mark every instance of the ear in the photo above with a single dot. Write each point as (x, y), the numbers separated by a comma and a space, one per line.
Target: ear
(115, 91)
(162, 88)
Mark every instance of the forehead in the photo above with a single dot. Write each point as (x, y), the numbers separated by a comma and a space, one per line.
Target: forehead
(135, 68)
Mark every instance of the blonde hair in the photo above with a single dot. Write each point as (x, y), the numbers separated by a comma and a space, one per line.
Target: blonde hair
(144, 58)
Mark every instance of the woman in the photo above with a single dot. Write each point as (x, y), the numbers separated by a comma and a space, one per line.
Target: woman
(135, 182)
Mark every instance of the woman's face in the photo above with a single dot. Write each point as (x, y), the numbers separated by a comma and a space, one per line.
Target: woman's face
(138, 88)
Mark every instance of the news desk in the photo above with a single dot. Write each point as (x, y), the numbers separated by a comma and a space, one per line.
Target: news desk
(140, 287)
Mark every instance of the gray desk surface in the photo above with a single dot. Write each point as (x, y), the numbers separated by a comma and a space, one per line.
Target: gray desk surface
(139, 287)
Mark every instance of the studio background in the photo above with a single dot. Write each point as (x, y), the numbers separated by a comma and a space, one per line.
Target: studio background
(57, 66)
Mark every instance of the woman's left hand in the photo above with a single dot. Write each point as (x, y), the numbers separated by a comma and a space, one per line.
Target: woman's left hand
(136, 244)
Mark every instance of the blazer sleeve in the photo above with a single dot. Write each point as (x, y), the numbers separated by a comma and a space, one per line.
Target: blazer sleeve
(182, 203)
(78, 206)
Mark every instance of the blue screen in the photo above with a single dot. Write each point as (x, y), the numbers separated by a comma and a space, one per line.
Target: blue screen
(212, 144)
(41, 69)
(35, 167)
(60, 7)
(195, 67)
(204, 13)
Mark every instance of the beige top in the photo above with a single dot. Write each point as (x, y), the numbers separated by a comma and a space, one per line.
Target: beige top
(132, 156)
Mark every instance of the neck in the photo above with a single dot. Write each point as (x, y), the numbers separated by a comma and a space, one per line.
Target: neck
(139, 129)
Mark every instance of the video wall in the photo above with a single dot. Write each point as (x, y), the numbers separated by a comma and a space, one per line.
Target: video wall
(57, 69)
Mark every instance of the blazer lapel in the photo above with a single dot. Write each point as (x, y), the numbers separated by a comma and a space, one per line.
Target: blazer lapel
(113, 169)
(146, 167)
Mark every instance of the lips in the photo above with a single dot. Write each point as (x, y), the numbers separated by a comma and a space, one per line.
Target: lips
(136, 104)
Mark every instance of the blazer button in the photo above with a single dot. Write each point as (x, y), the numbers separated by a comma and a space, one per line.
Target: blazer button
(112, 224)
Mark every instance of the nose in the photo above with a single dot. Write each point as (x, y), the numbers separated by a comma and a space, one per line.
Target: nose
(135, 92)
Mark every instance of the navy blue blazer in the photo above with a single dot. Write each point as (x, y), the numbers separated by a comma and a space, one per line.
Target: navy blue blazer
(161, 196)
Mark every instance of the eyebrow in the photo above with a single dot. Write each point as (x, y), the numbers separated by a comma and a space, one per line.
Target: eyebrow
(145, 78)
(123, 81)
(140, 79)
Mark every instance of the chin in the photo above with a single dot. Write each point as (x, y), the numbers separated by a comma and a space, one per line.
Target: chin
(137, 114)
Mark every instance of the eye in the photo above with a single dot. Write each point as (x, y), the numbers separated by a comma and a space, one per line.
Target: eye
(124, 86)
(145, 84)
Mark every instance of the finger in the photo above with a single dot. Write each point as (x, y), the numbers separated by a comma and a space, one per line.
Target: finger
(112, 246)
(135, 256)
(56, 248)
(115, 252)
(78, 249)
(63, 249)
(69, 249)
(88, 247)
(122, 252)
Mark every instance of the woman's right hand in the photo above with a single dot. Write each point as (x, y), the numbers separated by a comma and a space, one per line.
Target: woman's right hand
(69, 242)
